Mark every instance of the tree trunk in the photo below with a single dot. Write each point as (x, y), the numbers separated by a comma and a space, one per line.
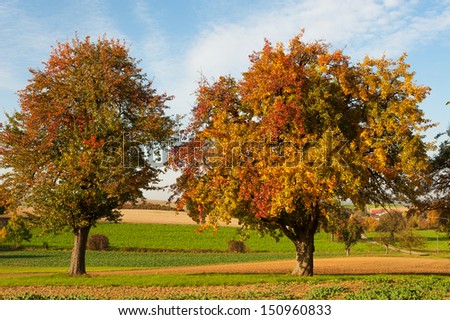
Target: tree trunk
(347, 251)
(78, 259)
(304, 248)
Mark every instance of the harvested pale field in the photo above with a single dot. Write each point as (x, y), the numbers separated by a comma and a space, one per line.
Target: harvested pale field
(161, 217)
(155, 217)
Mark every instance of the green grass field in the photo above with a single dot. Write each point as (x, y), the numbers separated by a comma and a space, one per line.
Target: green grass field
(435, 242)
(133, 237)
(126, 260)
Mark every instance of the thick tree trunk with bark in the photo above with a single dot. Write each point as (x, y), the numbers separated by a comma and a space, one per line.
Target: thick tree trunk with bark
(304, 248)
(78, 259)
(300, 227)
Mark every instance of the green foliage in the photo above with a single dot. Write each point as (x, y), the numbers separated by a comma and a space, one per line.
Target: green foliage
(324, 293)
(385, 239)
(33, 296)
(145, 205)
(347, 226)
(432, 244)
(408, 239)
(412, 288)
(392, 222)
(439, 190)
(18, 230)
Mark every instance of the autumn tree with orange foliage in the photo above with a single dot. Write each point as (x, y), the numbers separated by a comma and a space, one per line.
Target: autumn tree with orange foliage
(304, 129)
(76, 149)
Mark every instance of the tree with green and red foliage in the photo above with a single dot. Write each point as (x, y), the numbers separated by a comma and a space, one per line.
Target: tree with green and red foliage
(76, 150)
(304, 129)
(438, 202)
(350, 230)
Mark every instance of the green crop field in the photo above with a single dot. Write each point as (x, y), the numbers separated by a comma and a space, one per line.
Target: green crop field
(20, 260)
(133, 237)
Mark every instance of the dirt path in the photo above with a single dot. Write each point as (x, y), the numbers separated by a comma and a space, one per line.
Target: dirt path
(347, 265)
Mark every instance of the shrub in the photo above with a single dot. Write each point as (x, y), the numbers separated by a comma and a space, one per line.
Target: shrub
(237, 246)
(98, 242)
(17, 230)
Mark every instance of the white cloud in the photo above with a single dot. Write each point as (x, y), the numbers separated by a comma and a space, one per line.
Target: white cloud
(27, 37)
(361, 27)
(367, 26)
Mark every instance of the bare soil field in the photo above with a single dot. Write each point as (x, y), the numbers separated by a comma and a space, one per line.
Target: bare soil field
(337, 266)
(248, 291)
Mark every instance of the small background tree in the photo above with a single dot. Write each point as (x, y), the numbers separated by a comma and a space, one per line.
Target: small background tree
(437, 206)
(350, 230)
(408, 239)
(17, 230)
(385, 238)
(392, 222)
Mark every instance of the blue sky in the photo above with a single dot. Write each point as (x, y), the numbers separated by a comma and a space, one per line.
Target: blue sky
(178, 41)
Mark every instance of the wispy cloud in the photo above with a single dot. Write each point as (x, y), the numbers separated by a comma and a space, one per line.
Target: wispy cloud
(22, 36)
(154, 47)
(28, 31)
(362, 27)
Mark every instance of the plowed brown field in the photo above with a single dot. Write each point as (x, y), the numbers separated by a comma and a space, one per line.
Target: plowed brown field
(347, 265)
